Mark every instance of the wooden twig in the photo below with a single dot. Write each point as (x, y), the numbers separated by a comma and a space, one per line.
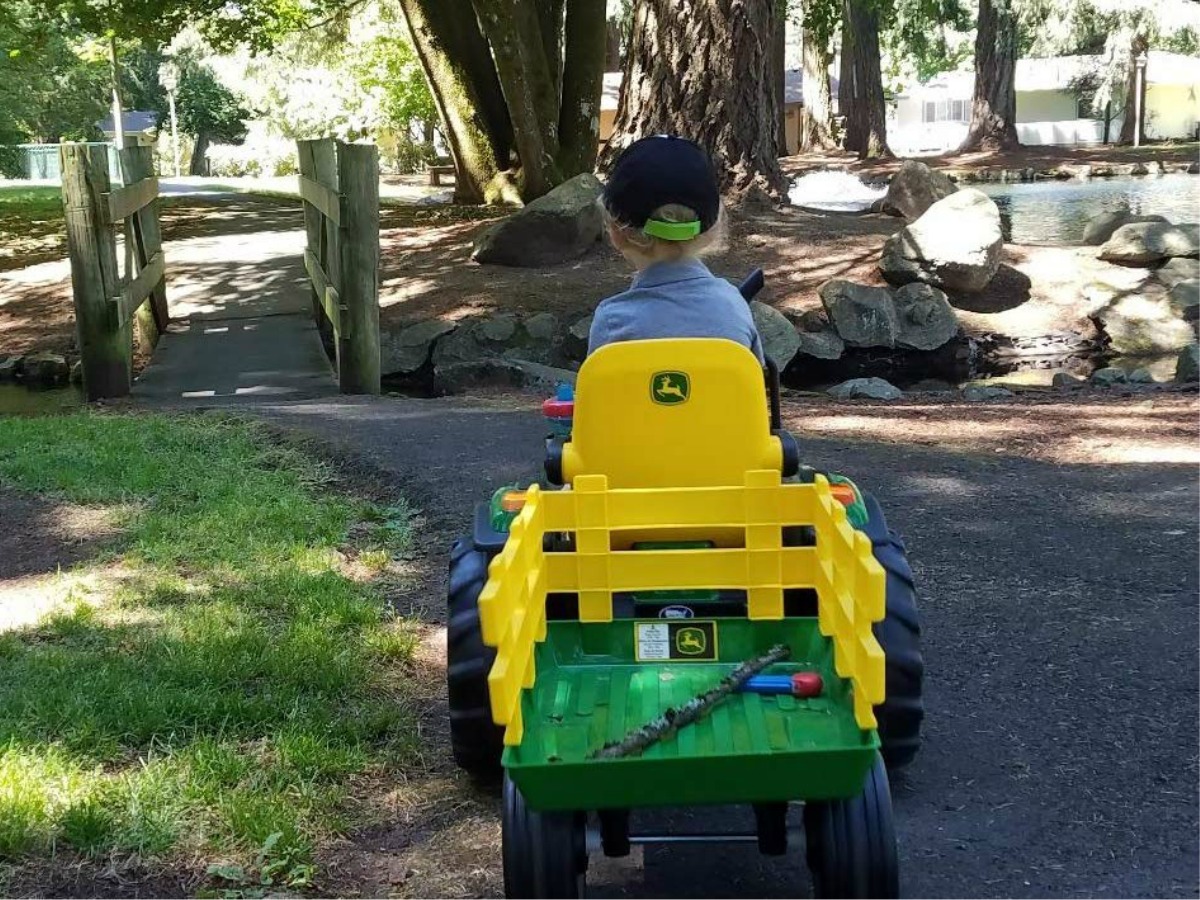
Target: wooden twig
(674, 718)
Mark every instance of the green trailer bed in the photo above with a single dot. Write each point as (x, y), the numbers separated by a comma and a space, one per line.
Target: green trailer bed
(751, 748)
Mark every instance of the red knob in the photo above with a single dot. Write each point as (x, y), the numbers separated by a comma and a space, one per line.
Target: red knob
(807, 684)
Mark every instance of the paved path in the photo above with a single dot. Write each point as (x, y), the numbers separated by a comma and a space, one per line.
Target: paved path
(1060, 607)
(242, 328)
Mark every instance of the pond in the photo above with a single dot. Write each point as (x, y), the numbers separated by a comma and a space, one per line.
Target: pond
(1056, 212)
(18, 400)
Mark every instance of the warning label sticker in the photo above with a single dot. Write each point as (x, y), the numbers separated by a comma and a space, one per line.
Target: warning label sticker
(684, 641)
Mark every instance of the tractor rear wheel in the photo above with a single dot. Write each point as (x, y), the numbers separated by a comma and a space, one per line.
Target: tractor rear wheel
(475, 740)
(899, 634)
(851, 844)
(544, 853)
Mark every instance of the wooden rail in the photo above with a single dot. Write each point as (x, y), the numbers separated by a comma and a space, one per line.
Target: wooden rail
(339, 184)
(111, 301)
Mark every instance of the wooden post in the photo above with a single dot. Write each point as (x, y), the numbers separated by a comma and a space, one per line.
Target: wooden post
(312, 221)
(151, 318)
(325, 171)
(104, 347)
(358, 270)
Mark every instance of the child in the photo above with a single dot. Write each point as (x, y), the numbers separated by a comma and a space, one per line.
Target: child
(662, 204)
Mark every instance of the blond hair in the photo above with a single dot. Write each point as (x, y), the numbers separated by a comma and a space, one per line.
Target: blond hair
(647, 249)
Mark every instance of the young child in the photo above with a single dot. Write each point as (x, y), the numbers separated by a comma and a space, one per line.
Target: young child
(662, 204)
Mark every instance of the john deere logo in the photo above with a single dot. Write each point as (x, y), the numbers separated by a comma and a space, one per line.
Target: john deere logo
(669, 388)
(691, 641)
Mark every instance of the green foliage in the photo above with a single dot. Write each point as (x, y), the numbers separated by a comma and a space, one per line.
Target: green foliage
(205, 106)
(925, 37)
(222, 694)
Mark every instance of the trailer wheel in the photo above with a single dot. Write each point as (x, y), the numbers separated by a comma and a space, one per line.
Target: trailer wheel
(544, 853)
(899, 634)
(475, 740)
(851, 844)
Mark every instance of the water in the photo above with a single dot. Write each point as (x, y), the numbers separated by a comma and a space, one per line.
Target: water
(18, 400)
(834, 191)
(1056, 212)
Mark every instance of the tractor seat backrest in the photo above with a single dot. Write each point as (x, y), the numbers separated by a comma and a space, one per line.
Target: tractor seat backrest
(671, 413)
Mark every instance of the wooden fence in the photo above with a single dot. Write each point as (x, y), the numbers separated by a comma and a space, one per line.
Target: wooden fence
(109, 299)
(340, 186)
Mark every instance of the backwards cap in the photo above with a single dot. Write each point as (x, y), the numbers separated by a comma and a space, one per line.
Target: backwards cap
(661, 170)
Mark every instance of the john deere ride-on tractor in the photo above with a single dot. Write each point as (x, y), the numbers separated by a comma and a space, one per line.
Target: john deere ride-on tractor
(694, 618)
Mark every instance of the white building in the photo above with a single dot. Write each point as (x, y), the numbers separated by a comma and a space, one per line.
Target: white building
(933, 117)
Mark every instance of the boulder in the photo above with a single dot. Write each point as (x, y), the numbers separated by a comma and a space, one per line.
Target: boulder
(778, 334)
(10, 367)
(925, 317)
(823, 344)
(1185, 299)
(1187, 366)
(955, 245)
(45, 368)
(575, 343)
(542, 327)
(1176, 270)
(1143, 325)
(405, 351)
(501, 336)
(1065, 380)
(562, 225)
(862, 316)
(914, 189)
(1140, 375)
(1146, 243)
(460, 345)
(869, 388)
(1101, 227)
(978, 393)
(457, 377)
(1109, 376)
(497, 328)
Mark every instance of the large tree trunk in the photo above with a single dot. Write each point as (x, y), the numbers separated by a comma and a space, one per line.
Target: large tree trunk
(696, 68)
(779, 71)
(1137, 47)
(583, 81)
(199, 163)
(860, 92)
(816, 116)
(462, 79)
(530, 89)
(994, 103)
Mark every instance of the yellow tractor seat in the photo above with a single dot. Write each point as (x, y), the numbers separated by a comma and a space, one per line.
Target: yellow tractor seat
(671, 413)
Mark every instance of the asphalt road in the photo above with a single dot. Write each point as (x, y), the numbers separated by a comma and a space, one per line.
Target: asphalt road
(1060, 614)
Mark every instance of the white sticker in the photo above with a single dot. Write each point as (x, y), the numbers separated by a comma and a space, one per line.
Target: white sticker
(653, 641)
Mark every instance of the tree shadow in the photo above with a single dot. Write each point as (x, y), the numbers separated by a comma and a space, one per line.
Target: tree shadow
(1008, 289)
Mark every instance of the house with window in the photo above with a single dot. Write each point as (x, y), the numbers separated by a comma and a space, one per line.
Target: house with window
(933, 117)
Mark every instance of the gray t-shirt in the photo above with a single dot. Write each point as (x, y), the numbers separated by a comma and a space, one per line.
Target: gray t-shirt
(680, 299)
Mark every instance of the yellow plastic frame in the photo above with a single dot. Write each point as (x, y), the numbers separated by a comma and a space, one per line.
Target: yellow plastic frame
(841, 568)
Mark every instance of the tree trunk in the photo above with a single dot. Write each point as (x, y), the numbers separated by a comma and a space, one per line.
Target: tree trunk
(514, 33)
(1107, 121)
(779, 71)
(816, 116)
(1137, 47)
(612, 45)
(695, 68)
(583, 81)
(458, 65)
(860, 93)
(994, 103)
(550, 25)
(199, 164)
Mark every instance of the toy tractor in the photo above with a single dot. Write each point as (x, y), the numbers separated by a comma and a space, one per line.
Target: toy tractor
(693, 619)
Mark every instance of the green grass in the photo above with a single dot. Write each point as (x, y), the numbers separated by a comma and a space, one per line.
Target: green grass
(217, 683)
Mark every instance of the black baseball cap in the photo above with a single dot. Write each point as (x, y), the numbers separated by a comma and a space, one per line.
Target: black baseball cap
(659, 170)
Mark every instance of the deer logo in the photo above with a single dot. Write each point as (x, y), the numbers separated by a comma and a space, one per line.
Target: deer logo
(670, 388)
(691, 641)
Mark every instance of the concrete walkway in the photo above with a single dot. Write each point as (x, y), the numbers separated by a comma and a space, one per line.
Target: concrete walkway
(241, 324)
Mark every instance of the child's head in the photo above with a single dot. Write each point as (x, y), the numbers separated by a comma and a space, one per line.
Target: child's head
(662, 201)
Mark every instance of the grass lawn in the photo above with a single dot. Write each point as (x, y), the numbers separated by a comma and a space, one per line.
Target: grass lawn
(215, 685)
(31, 224)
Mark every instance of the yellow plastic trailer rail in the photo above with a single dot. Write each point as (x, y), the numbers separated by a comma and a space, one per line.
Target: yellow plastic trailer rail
(841, 569)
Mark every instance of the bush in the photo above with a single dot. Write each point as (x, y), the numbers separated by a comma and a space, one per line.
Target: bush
(277, 158)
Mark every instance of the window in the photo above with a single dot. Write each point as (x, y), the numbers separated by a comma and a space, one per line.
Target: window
(945, 111)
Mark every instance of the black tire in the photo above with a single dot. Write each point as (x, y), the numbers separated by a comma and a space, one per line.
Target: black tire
(543, 853)
(902, 711)
(851, 844)
(475, 740)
